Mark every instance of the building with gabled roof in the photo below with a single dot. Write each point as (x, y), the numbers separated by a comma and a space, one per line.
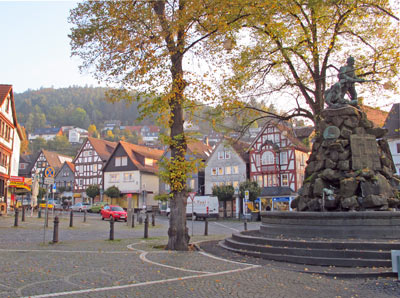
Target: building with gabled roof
(47, 133)
(196, 182)
(10, 141)
(392, 124)
(133, 169)
(89, 162)
(45, 159)
(64, 178)
(277, 157)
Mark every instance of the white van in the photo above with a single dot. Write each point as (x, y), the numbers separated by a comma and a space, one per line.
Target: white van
(203, 206)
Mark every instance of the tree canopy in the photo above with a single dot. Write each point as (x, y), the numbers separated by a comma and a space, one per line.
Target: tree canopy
(293, 49)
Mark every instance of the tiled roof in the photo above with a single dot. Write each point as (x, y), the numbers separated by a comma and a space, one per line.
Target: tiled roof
(392, 123)
(276, 191)
(137, 154)
(199, 149)
(302, 132)
(4, 91)
(55, 159)
(103, 148)
(71, 166)
(377, 116)
(47, 131)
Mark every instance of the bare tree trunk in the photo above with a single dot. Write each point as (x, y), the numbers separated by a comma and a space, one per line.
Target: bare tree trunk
(178, 234)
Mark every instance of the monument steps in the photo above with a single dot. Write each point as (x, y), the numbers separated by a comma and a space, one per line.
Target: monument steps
(318, 253)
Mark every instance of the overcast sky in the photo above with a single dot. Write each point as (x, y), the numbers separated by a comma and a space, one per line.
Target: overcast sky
(35, 50)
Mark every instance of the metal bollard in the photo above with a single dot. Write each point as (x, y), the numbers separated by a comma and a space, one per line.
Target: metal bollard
(146, 227)
(153, 219)
(55, 229)
(245, 224)
(23, 213)
(206, 226)
(112, 228)
(84, 216)
(71, 219)
(133, 220)
(16, 218)
(140, 219)
(40, 213)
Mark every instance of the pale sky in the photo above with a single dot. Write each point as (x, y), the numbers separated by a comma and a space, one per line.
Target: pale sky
(35, 50)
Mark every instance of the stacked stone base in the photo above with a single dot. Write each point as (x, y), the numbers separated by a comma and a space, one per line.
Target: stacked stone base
(350, 167)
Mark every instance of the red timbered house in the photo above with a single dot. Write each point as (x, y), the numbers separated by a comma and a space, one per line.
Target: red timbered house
(89, 163)
(278, 158)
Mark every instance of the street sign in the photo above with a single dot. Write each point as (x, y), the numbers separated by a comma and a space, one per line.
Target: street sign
(48, 180)
(246, 194)
(192, 195)
(49, 172)
(54, 187)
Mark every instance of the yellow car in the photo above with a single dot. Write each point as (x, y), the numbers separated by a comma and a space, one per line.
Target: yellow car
(51, 204)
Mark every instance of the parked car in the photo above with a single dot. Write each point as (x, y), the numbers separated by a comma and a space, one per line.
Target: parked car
(96, 207)
(80, 207)
(113, 211)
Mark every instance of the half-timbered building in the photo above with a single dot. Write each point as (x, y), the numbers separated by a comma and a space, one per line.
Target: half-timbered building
(45, 159)
(10, 140)
(278, 158)
(89, 163)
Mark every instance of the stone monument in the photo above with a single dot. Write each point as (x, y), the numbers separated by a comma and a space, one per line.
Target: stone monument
(350, 167)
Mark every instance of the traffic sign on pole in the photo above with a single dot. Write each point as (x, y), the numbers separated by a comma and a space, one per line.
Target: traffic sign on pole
(192, 195)
(48, 181)
(49, 172)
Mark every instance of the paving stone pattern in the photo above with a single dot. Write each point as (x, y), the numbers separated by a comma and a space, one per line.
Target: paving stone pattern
(133, 267)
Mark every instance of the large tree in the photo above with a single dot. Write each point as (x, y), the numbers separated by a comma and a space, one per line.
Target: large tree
(295, 47)
(142, 44)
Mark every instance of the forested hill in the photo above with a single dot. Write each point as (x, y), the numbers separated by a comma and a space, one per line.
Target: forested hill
(77, 106)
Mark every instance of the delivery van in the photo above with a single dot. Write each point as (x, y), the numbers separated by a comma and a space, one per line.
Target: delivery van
(203, 207)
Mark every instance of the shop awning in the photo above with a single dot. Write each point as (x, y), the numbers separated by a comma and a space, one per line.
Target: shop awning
(20, 183)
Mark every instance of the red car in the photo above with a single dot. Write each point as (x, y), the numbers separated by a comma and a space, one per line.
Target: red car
(114, 211)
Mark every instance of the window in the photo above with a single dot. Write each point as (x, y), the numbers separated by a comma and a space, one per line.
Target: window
(235, 184)
(260, 181)
(235, 170)
(114, 177)
(118, 161)
(220, 171)
(95, 167)
(227, 155)
(220, 155)
(22, 166)
(285, 179)
(148, 161)
(192, 184)
(267, 158)
(214, 171)
(283, 158)
(124, 160)
(398, 148)
(128, 177)
(257, 160)
(228, 170)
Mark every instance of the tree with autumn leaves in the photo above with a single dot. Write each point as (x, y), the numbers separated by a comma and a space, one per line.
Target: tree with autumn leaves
(141, 46)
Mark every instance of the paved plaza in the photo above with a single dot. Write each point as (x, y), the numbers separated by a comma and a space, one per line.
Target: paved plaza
(86, 264)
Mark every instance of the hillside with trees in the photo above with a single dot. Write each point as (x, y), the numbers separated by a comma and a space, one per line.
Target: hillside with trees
(75, 106)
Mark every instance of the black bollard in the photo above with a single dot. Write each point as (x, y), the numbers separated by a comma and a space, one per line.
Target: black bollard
(84, 216)
(40, 213)
(245, 224)
(206, 226)
(16, 218)
(146, 226)
(153, 219)
(55, 230)
(23, 213)
(111, 228)
(140, 219)
(71, 219)
(133, 220)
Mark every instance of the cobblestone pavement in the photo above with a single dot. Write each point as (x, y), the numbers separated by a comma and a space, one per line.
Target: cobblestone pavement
(134, 267)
